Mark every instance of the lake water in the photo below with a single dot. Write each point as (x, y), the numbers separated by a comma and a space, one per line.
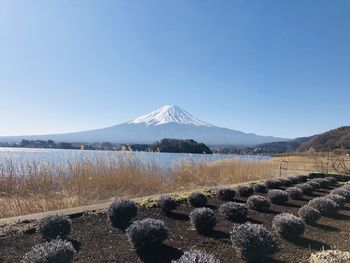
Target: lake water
(59, 156)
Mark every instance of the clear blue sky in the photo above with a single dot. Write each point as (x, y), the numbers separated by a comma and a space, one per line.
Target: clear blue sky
(276, 67)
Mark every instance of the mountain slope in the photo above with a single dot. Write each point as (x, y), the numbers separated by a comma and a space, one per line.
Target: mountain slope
(166, 122)
(281, 146)
(337, 139)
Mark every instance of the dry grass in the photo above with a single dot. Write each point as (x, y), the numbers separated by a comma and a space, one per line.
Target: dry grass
(330, 256)
(29, 187)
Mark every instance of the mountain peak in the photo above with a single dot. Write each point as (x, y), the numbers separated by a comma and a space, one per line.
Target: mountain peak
(169, 114)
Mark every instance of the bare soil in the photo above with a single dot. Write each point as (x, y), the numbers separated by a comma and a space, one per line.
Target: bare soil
(97, 241)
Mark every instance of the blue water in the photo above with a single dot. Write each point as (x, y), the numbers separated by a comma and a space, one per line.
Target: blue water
(59, 156)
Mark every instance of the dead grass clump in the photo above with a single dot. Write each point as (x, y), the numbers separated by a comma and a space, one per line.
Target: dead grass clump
(330, 256)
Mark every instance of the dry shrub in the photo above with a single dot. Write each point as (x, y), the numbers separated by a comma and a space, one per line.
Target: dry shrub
(330, 256)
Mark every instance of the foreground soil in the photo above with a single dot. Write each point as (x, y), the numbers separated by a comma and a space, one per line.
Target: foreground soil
(97, 241)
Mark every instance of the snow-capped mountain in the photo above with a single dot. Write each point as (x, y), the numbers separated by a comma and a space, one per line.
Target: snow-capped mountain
(169, 114)
(169, 121)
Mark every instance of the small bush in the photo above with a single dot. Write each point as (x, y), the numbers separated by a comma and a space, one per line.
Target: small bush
(331, 180)
(258, 203)
(203, 219)
(276, 196)
(54, 251)
(309, 214)
(338, 199)
(167, 203)
(245, 191)
(324, 183)
(54, 226)
(316, 175)
(324, 205)
(306, 188)
(197, 199)
(346, 186)
(196, 256)
(121, 212)
(343, 192)
(293, 179)
(288, 225)
(330, 256)
(147, 233)
(234, 211)
(302, 178)
(252, 241)
(260, 188)
(226, 194)
(314, 185)
(295, 193)
(272, 184)
(284, 181)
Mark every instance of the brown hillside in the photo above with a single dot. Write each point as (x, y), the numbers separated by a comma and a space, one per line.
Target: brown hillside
(337, 140)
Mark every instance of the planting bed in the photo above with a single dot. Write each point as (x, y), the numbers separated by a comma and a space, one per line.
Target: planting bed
(96, 240)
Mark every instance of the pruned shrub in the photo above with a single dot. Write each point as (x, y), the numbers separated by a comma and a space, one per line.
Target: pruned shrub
(284, 181)
(295, 193)
(343, 192)
(258, 203)
(324, 183)
(288, 225)
(276, 196)
(167, 203)
(54, 226)
(346, 186)
(272, 184)
(306, 188)
(147, 233)
(330, 256)
(340, 200)
(302, 178)
(245, 191)
(226, 194)
(316, 175)
(120, 212)
(252, 241)
(260, 188)
(331, 180)
(315, 185)
(203, 219)
(196, 256)
(234, 211)
(54, 251)
(343, 178)
(293, 179)
(197, 199)
(309, 214)
(324, 205)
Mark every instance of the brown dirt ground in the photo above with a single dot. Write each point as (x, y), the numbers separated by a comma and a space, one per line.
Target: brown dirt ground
(97, 241)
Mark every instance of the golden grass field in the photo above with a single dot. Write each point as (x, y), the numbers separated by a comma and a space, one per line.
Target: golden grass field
(43, 187)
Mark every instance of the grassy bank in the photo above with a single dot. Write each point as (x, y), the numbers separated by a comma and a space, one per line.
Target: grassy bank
(31, 187)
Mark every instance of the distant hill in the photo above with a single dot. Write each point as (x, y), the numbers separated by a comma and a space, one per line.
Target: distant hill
(337, 140)
(280, 147)
(180, 146)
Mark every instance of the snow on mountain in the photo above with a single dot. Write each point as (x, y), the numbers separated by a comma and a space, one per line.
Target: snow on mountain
(169, 114)
(169, 121)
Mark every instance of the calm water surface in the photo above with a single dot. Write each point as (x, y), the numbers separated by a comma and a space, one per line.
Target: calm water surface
(59, 156)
